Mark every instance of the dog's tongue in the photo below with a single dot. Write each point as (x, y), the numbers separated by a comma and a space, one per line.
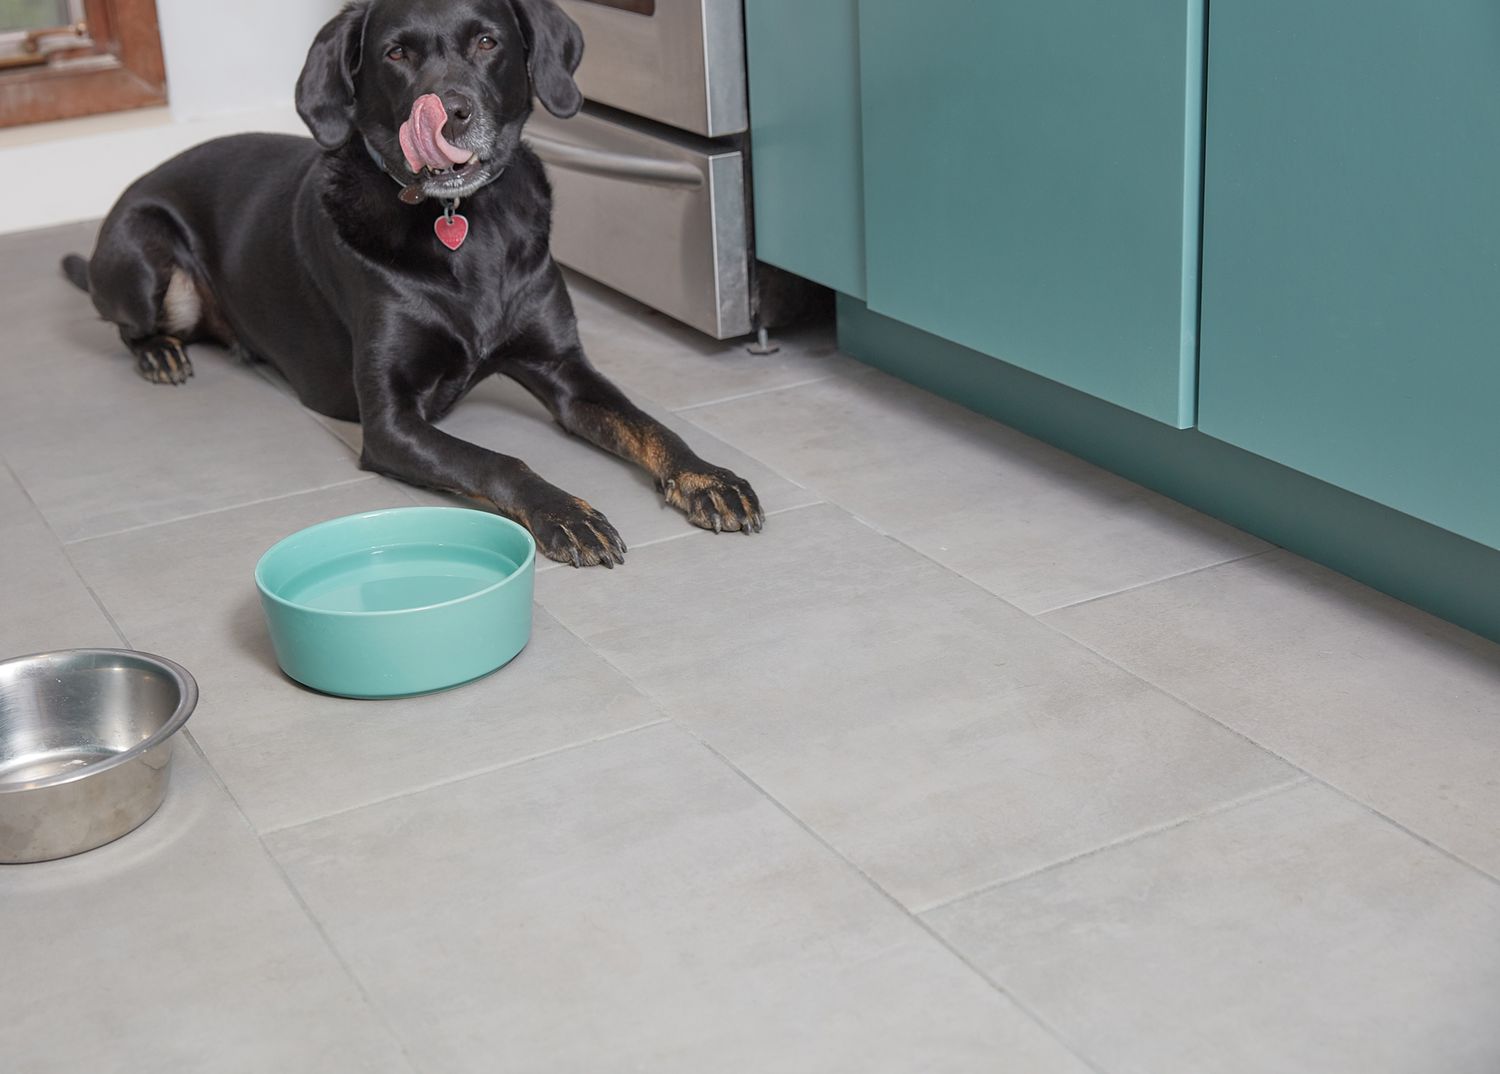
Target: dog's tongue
(422, 137)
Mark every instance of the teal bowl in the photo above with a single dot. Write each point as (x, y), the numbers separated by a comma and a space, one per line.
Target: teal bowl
(401, 602)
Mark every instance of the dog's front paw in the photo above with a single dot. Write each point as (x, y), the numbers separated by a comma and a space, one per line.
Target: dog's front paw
(573, 532)
(715, 499)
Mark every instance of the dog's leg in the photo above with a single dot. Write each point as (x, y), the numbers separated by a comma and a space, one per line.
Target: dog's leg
(138, 281)
(587, 404)
(401, 444)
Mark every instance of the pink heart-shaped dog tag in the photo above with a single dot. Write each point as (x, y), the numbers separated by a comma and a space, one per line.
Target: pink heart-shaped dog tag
(452, 233)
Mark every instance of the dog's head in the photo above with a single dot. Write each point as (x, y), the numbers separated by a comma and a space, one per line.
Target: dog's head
(439, 88)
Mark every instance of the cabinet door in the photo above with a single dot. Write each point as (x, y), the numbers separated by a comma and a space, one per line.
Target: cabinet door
(1351, 313)
(804, 123)
(1032, 183)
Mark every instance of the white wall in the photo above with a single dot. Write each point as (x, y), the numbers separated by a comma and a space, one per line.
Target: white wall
(232, 55)
(231, 67)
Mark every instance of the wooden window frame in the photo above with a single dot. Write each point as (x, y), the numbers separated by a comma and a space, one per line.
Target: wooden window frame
(121, 69)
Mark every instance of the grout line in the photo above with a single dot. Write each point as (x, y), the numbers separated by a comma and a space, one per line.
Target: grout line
(1040, 618)
(68, 558)
(1230, 806)
(544, 565)
(109, 618)
(696, 531)
(296, 895)
(875, 528)
(292, 889)
(386, 1023)
(218, 778)
(1157, 581)
(1348, 796)
(219, 510)
(879, 529)
(1418, 836)
(1155, 686)
(773, 471)
(755, 393)
(890, 899)
(476, 774)
(26, 492)
(1313, 776)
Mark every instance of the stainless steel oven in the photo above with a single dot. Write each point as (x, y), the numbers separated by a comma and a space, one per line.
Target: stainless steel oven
(651, 179)
(679, 62)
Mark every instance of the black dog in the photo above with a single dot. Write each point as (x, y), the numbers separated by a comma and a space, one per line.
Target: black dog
(373, 298)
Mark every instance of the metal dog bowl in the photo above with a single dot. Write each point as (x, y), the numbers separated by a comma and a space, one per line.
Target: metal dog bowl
(85, 747)
(400, 602)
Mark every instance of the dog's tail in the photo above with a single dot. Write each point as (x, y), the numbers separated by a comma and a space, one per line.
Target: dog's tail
(76, 269)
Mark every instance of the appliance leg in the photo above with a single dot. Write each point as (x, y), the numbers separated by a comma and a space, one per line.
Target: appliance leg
(763, 344)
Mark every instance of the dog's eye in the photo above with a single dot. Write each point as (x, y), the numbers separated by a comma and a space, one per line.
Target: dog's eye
(488, 43)
(397, 54)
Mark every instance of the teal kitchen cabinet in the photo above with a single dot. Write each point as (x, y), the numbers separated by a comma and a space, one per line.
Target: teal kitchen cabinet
(1351, 301)
(1032, 176)
(806, 158)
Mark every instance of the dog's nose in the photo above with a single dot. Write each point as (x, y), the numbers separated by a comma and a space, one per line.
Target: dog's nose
(460, 110)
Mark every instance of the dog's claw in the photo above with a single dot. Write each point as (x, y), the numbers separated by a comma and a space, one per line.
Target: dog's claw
(752, 513)
(607, 561)
(162, 360)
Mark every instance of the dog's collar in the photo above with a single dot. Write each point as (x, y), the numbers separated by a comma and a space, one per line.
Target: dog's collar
(452, 229)
(411, 193)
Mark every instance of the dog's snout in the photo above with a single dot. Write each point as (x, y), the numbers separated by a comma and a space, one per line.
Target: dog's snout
(460, 109)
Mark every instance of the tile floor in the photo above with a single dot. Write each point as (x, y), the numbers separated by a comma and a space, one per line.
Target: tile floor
(978, 759)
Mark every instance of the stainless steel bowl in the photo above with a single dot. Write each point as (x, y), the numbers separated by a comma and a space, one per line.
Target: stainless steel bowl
(85, 747)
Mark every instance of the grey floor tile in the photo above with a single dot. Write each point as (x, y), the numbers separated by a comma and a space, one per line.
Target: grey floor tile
(523, 878)
(100, 450)
(649, 353)
(936, 736)
(177, 948)
(45, 605)
(1032, 524)
(633, 905)
(500, 415)
(32, 287)
(290, 755)
(1389, 704)
(1299, 933)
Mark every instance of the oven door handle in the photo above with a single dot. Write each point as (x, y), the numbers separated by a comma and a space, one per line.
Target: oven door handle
(628, 166)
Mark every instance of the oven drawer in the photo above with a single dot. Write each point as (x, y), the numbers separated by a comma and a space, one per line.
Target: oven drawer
(658, 216)
(679, 62)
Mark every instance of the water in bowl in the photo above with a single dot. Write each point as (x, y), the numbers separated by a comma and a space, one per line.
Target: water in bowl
(398, 578)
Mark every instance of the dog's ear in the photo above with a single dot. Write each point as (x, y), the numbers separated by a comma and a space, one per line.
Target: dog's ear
(554, 46)
(325, 90)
